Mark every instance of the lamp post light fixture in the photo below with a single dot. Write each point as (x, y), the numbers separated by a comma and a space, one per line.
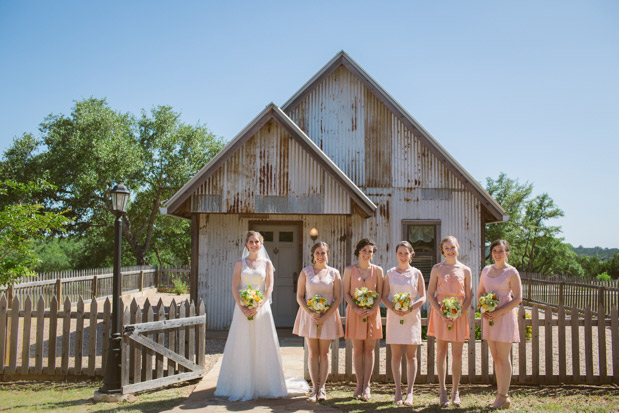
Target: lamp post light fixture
(112, 386)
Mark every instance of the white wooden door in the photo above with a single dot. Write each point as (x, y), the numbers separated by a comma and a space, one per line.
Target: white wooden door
(282, 244)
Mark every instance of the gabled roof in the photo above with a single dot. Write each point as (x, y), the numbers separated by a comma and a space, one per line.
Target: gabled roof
(365, 206)
(496, 212)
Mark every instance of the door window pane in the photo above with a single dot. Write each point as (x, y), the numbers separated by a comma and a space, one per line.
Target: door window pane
(423, 239)
(268, 235)
(286, 236)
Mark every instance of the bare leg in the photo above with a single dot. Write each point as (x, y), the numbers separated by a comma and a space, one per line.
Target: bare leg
(503, 368)
(324, 362)
(368, 366)
(411, 372)
(456, 371)
(314, 365)
(441, 370)
(396, 368)
(358, 358)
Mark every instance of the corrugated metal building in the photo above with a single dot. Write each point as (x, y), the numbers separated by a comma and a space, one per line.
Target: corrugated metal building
(342, 157)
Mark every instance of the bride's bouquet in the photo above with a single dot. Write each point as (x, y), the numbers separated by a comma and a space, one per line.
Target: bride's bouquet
(401, 302)
(364, 298)
(451, 308)
(318, 304)
(488, 303)
(251, 298)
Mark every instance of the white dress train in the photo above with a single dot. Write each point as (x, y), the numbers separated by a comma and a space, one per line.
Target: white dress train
(252, 365)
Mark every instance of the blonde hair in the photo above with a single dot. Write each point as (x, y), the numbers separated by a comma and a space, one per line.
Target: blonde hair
(256, 234)
(451, 239)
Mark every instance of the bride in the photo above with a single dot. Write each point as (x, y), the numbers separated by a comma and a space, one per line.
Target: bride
(252, 364)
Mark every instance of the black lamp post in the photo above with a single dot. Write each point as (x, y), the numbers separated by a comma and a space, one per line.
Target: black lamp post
(111, 380)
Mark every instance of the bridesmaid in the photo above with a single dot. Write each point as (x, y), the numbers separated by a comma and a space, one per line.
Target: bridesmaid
(449, 278)
(319, 329)
(363, 333)
(404, 279)
(504, 280)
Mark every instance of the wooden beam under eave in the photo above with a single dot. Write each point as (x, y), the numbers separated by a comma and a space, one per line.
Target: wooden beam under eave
(195, 251)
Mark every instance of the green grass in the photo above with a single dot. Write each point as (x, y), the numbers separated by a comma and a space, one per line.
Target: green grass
(77, 396)
(480, 397)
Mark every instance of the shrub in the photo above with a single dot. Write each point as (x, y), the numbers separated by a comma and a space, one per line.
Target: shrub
(180, 286)
(603, 277)
(528, 332)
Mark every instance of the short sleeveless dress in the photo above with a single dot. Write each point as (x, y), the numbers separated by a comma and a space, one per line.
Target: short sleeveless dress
(304, 325)
(450, 284)
(372, 328)
(410, 331)
(505, 328)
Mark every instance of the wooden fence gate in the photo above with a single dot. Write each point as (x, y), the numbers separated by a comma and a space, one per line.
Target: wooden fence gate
(177, 345)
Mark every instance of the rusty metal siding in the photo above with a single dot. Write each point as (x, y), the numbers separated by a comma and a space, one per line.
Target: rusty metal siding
(333, 116)
(258, 178)
(378, 142)
(221, 244)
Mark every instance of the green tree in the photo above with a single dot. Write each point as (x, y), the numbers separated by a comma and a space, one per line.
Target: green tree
(22, 222)
(536, 246)
(86, 153)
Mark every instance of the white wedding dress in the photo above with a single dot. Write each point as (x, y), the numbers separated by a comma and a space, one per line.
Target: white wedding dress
(252, 363)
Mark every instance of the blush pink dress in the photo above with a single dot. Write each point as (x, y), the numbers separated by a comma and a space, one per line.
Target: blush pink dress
(410, 331)
(450, 284)
(505, 328)
(356, 328)
(304, 325)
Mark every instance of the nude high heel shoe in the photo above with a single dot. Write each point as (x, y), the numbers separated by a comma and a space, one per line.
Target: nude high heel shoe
(506, 402)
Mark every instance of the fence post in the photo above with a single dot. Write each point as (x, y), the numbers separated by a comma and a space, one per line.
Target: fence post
(601, 292)
(529, 281)
(59, 289)
(10, 293)
(141, 280)
(94, 287)
(157, 278)
(561, 293)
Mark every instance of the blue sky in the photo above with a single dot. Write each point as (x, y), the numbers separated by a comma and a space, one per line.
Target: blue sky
(524, 87)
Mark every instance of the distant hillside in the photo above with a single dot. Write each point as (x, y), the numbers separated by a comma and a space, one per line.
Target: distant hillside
(602, 253)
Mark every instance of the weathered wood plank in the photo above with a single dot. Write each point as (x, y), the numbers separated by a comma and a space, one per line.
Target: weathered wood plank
(602, 340)
(14, 334)
(201, 339)
(172, 339)
(575, 344)
(125, 350)
(535, 343)
(164, 381)
(430, 358)
(147, 353)
(53, 324)
(136, 350)
(160, 340)
(38, 363)
(485, 377)
(66, 336)
(182, 312)
(335, 357)
(92, 339)
(306, 375)
(562, 348)
(389, 372)
(167, 324)
(79, 337)
(376, 361)
(614, 322)
(105, 343)
(154, 346)
(522, 346)
(25, 352)
(589, 345)
(132, 320)
(548, 344)
(348, 359)
(471, 347)
(191, 335)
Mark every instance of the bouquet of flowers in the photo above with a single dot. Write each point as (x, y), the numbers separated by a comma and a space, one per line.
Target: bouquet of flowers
(364, 298)
(318, 304)
(251, 298)
(451, 308)
(488, 303)
(401, 302)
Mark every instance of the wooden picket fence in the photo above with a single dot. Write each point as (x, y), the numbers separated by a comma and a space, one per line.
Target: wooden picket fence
(93, 283)
(73, 340)
(574, 348)
(566, 291)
